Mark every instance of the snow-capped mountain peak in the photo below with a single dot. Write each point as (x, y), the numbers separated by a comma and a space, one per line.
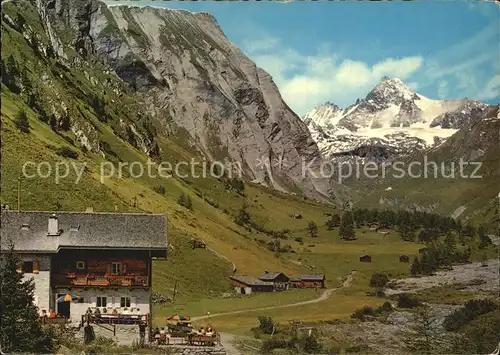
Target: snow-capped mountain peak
(392, 89)
(327, 114)
(393, 114)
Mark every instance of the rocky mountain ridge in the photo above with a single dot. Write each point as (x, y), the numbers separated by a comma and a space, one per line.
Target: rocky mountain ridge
(392, 118)
(184, 77)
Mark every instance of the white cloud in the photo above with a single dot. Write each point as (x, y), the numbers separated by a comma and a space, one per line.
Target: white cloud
(491, 90)
(401, 68)
(263, 44)
(309, 80)
(467, 66)
(443, 89)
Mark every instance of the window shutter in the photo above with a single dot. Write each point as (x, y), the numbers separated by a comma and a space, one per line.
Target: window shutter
(124, 269)
(133, 302)
(93, 301)
(35, 267)
(108, 268)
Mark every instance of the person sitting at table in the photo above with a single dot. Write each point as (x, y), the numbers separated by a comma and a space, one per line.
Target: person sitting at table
(52, 314)
(156, 332)
(43, 314)
(209, 332)
(97, 313)
(137, 312)
(126, 311)
(104, 310)
(115, 311)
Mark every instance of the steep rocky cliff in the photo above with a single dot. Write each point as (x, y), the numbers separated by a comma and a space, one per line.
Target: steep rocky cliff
(144, 66)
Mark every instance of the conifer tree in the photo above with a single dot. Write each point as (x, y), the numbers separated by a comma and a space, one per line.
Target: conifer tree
(243, 217)
(346, 229)
(20, 329)
(415, 267)
(333, 222)
(313, 229)
(22, 122)
(182, 199)
(189, 203)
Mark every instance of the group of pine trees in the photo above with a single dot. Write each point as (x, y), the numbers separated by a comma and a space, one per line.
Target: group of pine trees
(185, 201)
(440, 254)
(430, 226)
(344, 223)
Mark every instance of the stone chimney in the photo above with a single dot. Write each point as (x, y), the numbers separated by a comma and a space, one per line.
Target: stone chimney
(53, 225)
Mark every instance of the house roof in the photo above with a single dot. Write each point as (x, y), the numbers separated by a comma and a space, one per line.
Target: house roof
(28, 231)
(317, 277)
(250, 280)
(270, 276)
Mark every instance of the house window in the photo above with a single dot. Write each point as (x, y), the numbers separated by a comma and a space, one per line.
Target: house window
(74, 228)
(80, 265)
(116, 268)
(28, 267)
(125, 302)
(101, 302)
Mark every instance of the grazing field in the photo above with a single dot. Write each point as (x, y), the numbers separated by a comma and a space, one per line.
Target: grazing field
(329, 255)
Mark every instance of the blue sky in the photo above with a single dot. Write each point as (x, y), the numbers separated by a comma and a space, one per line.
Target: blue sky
(338, 51)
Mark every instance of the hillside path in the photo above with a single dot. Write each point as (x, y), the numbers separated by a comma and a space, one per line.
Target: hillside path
(223, 257)
(324, 296)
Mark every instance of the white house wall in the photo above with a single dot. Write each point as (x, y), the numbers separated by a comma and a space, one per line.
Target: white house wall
(139, 298)
(41, 279)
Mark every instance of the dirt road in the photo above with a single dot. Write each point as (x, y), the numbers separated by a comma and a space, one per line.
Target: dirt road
(324, 296)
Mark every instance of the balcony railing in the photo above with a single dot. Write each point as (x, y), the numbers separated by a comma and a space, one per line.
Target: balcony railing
(107, 280)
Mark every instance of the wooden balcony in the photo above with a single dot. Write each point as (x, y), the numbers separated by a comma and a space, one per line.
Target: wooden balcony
(92, 280)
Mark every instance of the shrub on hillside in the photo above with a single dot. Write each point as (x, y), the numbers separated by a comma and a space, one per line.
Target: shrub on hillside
(480, 336)
(21, 122)
(470, 311)
(66, 152)
(211, 203)
(362, 313)
(378, 281)
(266, 325)
(269, 345)
(159, 189)
(243, 218)
(185, 201)
(310, 344)
(386, 307)
(406, 300)
(367, 311)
